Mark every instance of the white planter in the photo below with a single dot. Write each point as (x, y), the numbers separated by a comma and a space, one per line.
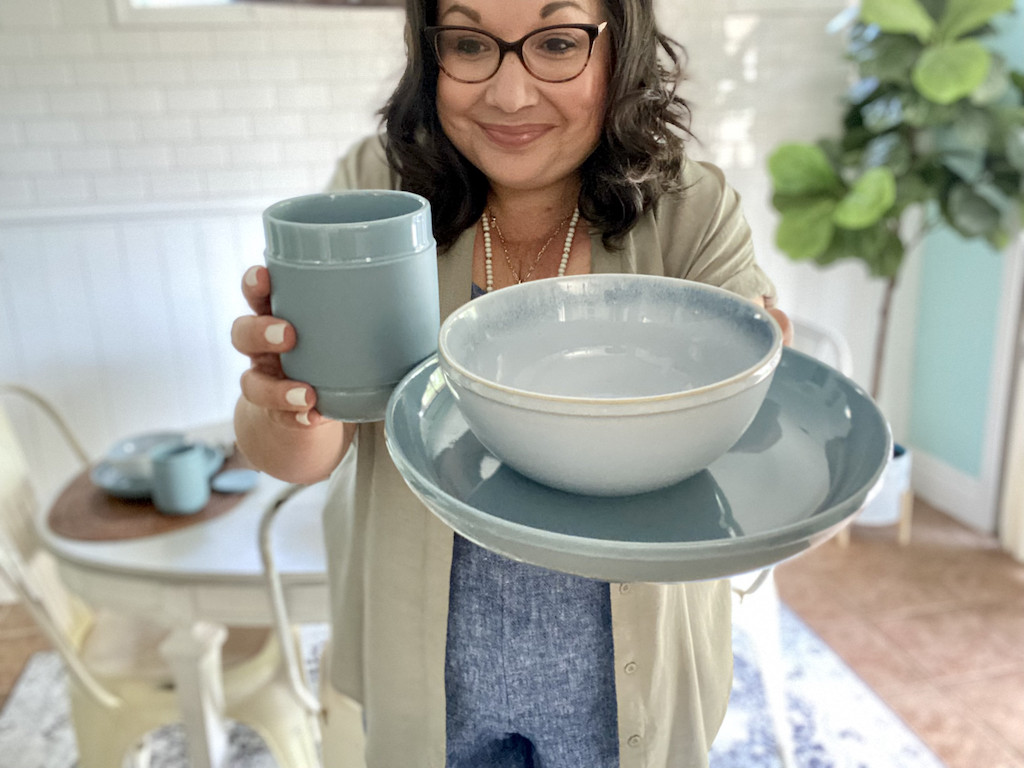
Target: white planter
(886, 507)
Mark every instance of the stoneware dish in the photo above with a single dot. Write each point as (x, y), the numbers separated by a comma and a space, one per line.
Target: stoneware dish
(814, 455)
(609, 385)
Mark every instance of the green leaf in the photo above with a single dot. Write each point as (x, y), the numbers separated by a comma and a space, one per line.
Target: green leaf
(833, 150)
(785, 203)
(855, 139)
(994, 196)
(973, 128)
(919, 112)
(949, 71)
(890, 150)
(899, 17)
(861, 40)
(1015, 147)
(934, 7)
(969, 130)
(802, 169)
(969, 213)
(888, 258)
(805, 232)
(862, 90)
(1006, 177)
(871, 196)
(890, 59)
(911, 189)
(846, 244)
(966, 164)
(963, 16)
(883, 114)
(995, 85)
(877, 246)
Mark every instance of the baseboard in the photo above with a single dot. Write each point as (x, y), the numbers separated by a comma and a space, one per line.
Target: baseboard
(964, 497)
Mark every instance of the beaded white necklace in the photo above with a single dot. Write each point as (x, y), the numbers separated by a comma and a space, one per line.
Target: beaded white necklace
(485, 221)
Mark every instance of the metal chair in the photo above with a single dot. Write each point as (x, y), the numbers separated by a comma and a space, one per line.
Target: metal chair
(120, 686)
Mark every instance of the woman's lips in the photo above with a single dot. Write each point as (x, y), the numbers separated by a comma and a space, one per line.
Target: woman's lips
(513, 136)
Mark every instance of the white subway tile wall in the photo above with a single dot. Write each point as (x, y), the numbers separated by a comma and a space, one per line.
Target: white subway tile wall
(142, 96)
(137, 151)
(137, 101)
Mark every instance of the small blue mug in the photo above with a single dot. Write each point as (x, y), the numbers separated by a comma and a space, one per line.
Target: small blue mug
(181, 479)
(356, 274)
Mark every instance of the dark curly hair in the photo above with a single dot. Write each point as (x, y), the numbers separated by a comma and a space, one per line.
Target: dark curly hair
(639, 156)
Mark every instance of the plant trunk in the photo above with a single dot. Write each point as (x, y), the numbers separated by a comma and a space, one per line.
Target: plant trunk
(882, 337)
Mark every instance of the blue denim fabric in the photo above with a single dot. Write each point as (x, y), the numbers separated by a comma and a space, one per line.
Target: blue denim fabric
(529, 670)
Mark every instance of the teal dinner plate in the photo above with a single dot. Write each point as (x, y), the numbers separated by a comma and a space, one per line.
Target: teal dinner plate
(812, 458)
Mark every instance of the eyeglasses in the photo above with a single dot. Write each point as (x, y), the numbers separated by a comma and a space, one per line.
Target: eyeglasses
(553, 54)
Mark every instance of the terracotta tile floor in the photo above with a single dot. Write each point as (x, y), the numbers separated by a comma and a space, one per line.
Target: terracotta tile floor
(936, 628)
(19, 639)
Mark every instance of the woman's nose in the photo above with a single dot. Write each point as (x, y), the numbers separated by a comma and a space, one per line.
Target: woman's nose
(512, 88)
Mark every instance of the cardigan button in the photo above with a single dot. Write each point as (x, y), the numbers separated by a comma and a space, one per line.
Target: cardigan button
(624, 588)
(630, 668)
(634, 740)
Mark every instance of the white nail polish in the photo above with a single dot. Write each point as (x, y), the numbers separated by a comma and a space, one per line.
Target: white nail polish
(302, 418)
(296, 396)
(250, 276)
(275, 333)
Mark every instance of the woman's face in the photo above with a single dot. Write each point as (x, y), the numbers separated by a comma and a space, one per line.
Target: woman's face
(521, 132)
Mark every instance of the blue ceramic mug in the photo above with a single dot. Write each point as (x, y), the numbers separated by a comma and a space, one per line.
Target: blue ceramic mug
(356, 274)
(181, 478)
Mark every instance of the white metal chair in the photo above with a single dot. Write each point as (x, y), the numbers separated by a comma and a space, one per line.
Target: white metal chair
(341, 723)
(119, 684)
(756, 599)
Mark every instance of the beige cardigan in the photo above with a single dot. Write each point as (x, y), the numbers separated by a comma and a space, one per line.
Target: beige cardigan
(390, 558)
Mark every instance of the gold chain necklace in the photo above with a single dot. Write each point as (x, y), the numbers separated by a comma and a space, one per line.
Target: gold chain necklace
(490, 219)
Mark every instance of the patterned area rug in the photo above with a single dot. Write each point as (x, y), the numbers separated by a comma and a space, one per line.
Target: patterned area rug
(835, 719)
(837, 722)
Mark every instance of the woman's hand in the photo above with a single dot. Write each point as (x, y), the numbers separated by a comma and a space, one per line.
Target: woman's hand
(262, 338)
(783, 320)
(276, 426)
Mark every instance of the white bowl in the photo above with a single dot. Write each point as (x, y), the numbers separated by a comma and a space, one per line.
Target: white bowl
(609, 385)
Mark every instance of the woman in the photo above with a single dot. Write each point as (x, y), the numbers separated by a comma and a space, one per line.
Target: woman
(546, 135)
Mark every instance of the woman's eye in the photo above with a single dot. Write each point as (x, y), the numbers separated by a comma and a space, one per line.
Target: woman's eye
(556, 45)
(470, 46)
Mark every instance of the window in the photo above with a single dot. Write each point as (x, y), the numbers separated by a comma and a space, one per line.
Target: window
(218, 11)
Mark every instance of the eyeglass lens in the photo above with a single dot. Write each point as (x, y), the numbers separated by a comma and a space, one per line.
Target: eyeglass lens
(555, 54)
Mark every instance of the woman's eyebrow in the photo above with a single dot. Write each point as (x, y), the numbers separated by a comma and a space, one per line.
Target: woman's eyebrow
(465, 11)
(550, 8)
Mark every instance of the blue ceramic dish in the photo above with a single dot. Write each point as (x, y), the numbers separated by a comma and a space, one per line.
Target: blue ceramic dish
(811, 459)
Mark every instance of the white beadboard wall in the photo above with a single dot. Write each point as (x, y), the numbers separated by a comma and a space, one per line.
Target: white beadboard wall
(137, 150)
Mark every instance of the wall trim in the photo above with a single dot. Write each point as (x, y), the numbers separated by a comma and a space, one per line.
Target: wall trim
(31, 216)
(950, 490)
(126, 12)
(234, 12)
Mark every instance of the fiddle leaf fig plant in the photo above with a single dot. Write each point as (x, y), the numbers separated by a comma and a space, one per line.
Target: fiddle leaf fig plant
(934, 119)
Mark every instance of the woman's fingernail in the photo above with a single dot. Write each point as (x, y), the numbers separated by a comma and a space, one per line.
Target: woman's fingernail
(302, 418)
(275, 333)
(296, 396)
(250, 276)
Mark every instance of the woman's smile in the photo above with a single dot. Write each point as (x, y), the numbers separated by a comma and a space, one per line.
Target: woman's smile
(514, 136)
